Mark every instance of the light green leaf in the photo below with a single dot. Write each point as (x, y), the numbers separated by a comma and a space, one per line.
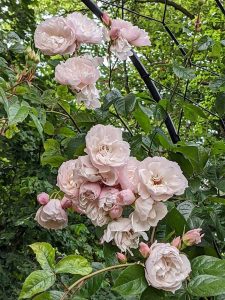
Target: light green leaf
(37, 282)
(131, 281)
(45, 255)
(73, 264)
(142, 117)
(217, 200)
(184, 73)
(208, 265)
(49, 128)
(51, 295)
(206, 286)
(37, 124)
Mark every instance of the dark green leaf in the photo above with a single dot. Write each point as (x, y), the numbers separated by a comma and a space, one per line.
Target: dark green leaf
(176, 221)
(208, 265)
(51, 295)
(206, 286)
(152, 293)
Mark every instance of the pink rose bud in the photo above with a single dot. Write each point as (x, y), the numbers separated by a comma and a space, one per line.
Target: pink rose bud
(126, 197)
(116, 212)
(121, 258)
(144, 249)
(43, 198)
(192, 237)
(106, 19)
(176, 242)
(66, 202)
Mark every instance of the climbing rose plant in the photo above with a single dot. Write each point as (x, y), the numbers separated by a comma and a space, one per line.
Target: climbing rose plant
(121, 195)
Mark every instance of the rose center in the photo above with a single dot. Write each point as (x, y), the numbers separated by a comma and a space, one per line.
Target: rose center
(156, 180)
(104, 150)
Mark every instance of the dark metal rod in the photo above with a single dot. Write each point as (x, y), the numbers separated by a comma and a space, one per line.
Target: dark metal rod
(143, 73)
(219, 4)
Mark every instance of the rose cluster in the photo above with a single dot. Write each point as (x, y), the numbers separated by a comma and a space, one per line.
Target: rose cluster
(64, 35)
(111, 187)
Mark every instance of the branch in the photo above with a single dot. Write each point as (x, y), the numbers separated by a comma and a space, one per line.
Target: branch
(173, 4)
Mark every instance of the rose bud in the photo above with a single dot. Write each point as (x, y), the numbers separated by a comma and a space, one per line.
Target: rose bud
(116, 212)
(192, 237)
(66, 202)
(126, 197)
(176, 242)
(121, 258)
(144, 249)
(43, 198)
(106, 19)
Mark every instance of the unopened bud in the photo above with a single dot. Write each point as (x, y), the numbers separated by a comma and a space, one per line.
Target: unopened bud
(116, 212)
(176, 242)
(106, 19)
(43, 198)
(66, 202)
(144, 249)
(121, 258)
(192, 237)
(126, 197)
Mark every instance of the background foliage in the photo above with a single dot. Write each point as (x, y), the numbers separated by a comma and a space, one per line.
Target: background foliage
(39, 120)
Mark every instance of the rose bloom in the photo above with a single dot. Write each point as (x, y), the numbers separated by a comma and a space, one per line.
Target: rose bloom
(160, 179)
(128, 175)
(89, 192)
(110, 177)
(67, 180)
(166, 268)
(134, 35)
(85, 169)
(106, 148)
(121, 232)
(89, 95)
(147, 213)
(108, 198)
(52, 215)
(55, 36)
(121, 48)
(97, 215)
(86, 30)
(192, 237)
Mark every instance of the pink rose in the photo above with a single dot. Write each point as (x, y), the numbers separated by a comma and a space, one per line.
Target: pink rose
(85, 169)
(116, 212)
(110, 177)
(52, 215)
(121, 258)
(97, 215)
(166, 268)
(192, 237)
(134, 35)
(67, 180)
(88, 192)
(43, 198)
(108, 198)
(176, 242)
(55, 36)
(66, 202)
(144, 249)
(160, 179)
(80, 74)
(85, 30)
(126, 197)
(106, 148)
(128, 175)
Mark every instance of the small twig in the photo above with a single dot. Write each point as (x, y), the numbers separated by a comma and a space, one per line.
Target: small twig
(152, 235)
(71, 118)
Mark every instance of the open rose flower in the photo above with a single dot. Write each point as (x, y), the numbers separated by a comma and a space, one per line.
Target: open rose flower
(160, 179)
(147, 213)
(89, 192)
(97, 215)
(166, 268)
(192, 237)
(86, 30)
(81, 74)
(121, 232)
(106, 148)
(128, 175)
(84, 168)
(55, 36)
(123, 34)
(67, 180)
(52, 215)
(108, 198)
(110, 177)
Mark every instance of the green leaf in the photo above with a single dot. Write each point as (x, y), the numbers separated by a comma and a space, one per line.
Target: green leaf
(131, 281)
(152, 293)
(218, 147)
(37, 124)
(217, 200)
(66, 132)
(142, 118)
(192, 112)
(49, 128)
(110, 98)
(206, 286)
(73, 264)
(45, 255)
(184, 73)
(52, 154)
(176, 221)
(185, 208)
(90, 287)
(125, 105)
(17, 113)
(220, 104)
(204, 43)
(51, 295)
(208, 265)
(37, 282)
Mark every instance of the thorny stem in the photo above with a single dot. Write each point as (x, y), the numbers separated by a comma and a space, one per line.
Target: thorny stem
(81, 281)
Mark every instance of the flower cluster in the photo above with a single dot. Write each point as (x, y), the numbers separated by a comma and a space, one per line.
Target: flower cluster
(108, 184)
(59, 35)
